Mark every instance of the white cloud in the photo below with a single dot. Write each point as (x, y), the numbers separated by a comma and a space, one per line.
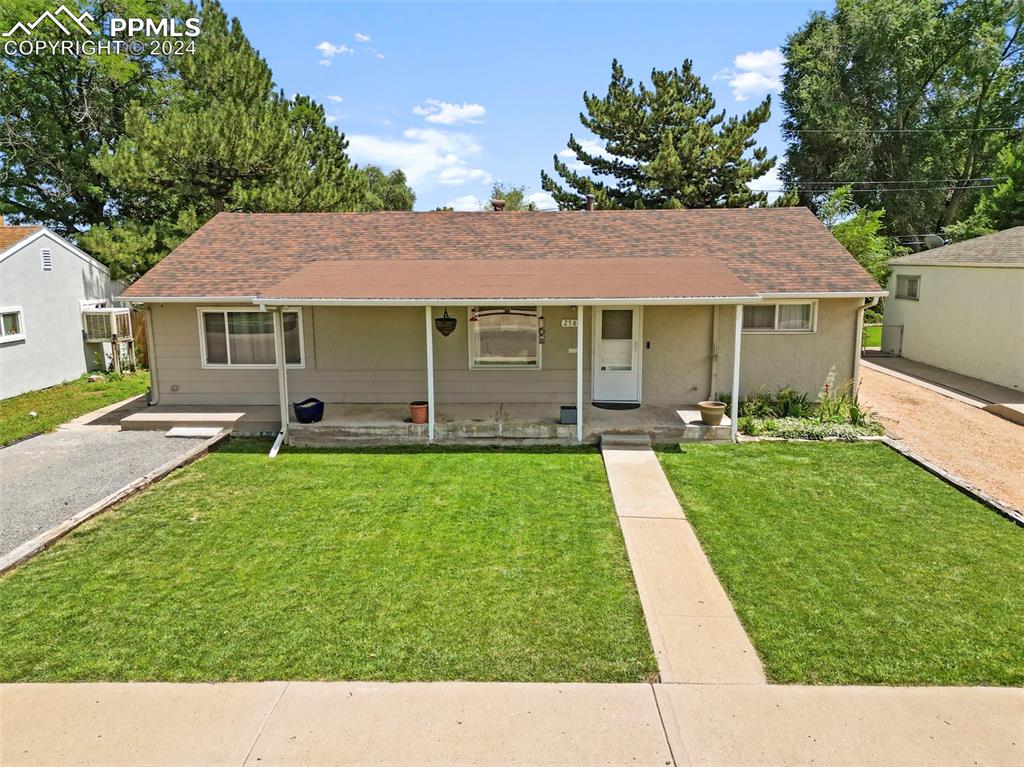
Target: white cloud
(335, 99)
(468, 202)
(460, 174)
(769, 182)
(445, 113)
(590, 146)
(361, 37)
(332, 118)
(330, 50)
(754, 73)
(542, 201)
(425, 154)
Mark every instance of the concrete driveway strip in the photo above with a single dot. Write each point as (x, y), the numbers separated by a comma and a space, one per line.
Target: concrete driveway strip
(742, 726)
(49, 478)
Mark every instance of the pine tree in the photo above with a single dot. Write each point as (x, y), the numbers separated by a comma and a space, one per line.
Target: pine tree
(663, 146)
(228, 141)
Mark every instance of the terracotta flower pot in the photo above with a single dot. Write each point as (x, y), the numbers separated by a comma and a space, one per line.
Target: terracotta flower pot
(711, 412)
(418, 411)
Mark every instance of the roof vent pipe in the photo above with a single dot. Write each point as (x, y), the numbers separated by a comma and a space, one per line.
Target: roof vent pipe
(498, 204)
(590, 202)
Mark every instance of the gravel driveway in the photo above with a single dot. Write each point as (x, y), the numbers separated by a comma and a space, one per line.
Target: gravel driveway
(46, 479)
(983, 448)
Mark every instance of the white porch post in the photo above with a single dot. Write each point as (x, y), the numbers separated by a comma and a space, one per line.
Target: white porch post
(579, 373)
(430, 374)
(734, 411)
(282, 369)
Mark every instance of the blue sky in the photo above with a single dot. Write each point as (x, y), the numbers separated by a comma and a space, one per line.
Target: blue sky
(460, 95)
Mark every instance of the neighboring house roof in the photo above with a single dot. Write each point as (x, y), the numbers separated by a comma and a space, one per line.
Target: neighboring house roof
(14, 238)
(11, 235)
(1005, 248)
(571, 254)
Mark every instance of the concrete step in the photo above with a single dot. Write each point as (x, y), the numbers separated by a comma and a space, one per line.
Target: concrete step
(165, 421)
(625, 440)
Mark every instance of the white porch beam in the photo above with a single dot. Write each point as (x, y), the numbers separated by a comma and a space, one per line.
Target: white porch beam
(429, 313)
(734, 410)
(282, 370)
(579, 373)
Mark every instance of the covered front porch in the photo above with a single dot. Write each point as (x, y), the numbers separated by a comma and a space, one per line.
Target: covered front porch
(500, 423)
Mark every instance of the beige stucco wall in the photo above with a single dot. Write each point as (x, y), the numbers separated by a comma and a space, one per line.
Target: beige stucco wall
(967, 319)
(805, 361)
(358, 354)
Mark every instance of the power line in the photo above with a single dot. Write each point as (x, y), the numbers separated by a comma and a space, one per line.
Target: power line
(980, 180)
(905, 130)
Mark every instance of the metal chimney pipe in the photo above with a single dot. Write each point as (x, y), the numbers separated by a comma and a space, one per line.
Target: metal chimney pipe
(590, 202)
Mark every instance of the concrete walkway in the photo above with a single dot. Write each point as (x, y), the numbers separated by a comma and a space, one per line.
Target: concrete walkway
(696, 635)
(460, 723)
(1000, 400)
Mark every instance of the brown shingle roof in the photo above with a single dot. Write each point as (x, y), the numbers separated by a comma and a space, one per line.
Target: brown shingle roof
(765, 250)
(9, 235)
(1005, 247)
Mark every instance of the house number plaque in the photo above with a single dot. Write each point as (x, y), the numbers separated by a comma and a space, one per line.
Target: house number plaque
(569, 323)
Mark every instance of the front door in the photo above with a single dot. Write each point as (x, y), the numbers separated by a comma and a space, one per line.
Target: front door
(616, 354)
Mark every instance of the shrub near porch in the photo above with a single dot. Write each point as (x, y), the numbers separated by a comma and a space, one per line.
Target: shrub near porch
(385, 565)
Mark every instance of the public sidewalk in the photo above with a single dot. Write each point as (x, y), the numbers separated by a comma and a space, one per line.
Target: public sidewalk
(460, 723)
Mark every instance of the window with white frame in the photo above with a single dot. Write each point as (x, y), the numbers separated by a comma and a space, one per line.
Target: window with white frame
(789, 317)
(504, 337)
(12, 325)
(245, 338)
(908, 286)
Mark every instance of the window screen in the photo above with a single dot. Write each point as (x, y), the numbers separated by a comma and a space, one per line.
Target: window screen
(907, 287)
(760, 317)
(504, 337)
(247, 338)
(794, 317)
(616, 324)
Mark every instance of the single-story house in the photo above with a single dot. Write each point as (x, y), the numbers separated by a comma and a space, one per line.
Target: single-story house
(50, 292)
(654, 310)
(961, 307)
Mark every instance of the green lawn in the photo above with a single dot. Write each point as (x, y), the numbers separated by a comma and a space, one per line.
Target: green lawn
(398, 564)
(850, 565)
(59, 404)
(872, 336)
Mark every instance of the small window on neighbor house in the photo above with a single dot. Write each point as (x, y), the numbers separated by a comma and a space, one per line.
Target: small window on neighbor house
(908, 287)
(504, 337)
(779, 318)
(47, 259)
(12, 328)
(234, 338)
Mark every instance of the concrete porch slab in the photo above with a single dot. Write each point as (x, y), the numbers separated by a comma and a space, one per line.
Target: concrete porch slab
(460, 723)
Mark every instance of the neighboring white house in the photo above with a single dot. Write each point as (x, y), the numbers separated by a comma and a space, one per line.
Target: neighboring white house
(45, 285)
(961, 307)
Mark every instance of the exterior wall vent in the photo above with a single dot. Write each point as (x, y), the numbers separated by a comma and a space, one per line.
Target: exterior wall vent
(47, 258)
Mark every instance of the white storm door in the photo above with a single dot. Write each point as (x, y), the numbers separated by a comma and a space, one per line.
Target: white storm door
(616, 354)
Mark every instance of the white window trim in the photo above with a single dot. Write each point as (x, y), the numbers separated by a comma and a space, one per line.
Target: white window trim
(469, 340)
(200, 311)
(21, 325)
(908, 277)
(783, 331)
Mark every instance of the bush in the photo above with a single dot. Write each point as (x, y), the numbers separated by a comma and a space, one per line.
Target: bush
(790, 414)
(806, 428)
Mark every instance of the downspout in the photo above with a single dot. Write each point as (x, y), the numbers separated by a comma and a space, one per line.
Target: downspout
(154, 381)
(858, 341)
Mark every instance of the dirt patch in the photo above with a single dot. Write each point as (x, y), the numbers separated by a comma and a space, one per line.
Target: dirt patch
(983, 448)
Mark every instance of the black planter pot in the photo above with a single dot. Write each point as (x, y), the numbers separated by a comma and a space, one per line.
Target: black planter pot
(445, 325)
(309, 411)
